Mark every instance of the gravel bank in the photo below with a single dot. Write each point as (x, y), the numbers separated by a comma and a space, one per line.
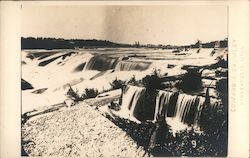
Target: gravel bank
(77, 131)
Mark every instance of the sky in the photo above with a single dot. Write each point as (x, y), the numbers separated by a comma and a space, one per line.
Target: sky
(173, 24)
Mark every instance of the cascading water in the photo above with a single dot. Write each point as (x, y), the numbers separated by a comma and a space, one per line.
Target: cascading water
(132, 65)
(102, 63)
(162, 101)
(172, 104)
(185, 108)
(132, 98)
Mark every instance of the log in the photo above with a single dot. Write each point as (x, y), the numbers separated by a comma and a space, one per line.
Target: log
(44, 111)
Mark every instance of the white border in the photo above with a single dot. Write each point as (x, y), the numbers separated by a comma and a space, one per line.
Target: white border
(238, 70)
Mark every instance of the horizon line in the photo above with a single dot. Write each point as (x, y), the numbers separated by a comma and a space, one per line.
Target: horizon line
(126, 43)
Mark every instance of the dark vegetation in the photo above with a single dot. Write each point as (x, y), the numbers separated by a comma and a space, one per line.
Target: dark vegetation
(53, 43)
(90, 93)
(59, 43)
(152, 82)
(158, 139)
(117, 84)
(214, 121)
(222, 86)
(191, 81)
(73, 95)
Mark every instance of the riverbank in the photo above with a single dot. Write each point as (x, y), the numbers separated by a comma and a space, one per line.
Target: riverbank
(77, 131)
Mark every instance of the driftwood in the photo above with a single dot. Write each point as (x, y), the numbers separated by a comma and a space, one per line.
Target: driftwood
(33, 113)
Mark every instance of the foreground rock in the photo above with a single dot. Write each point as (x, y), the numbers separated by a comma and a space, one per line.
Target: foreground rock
(77, 131)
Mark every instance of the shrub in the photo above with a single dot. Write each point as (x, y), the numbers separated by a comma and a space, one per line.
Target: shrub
(90, 93)
(152, 82)
(214, 121)
(191, 81)
(117, 84)
(222, 86)
(190, 143)
(73, 95)
(215, 125)
(160, 135)
(133, 81)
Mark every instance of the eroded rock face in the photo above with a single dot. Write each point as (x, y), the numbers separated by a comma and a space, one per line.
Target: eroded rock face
(77, 131)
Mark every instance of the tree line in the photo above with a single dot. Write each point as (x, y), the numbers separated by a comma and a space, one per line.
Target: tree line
(60, 43)
(53, 43)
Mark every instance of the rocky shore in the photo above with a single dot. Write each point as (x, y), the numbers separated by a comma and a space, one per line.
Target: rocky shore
(77, 131)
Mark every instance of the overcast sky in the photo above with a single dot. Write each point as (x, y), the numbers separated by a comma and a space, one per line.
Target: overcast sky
(127, 24)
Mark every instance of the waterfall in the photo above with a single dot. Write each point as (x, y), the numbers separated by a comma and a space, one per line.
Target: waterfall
(183, 107)
(172, 104)
(187, 108)
(133, 97)
(101, 63)
(132, 65)
(162, 101)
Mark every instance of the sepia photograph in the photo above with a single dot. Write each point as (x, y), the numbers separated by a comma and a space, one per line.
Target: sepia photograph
(124, 80)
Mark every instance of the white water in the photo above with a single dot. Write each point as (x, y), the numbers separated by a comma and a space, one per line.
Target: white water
(187, 107)
(60, 72)
(162, 101)
(130, 101)
(132, 65)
